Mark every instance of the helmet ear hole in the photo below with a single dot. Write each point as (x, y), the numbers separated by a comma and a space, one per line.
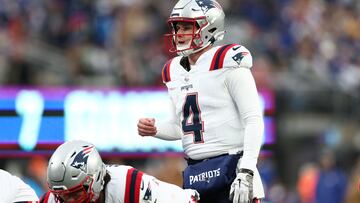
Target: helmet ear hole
(212, 30)
(98, 177)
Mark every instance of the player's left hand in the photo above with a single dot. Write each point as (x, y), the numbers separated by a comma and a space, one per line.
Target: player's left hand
(242, 188)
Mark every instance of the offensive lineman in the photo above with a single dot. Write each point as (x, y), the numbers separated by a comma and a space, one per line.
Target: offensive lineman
(216, 108)
(76, 174)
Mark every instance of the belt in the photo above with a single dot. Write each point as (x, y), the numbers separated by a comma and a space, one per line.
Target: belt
(193, 161)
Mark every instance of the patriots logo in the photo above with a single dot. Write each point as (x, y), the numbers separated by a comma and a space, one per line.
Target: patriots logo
(80, 160)
(205, 5)
(239, 56)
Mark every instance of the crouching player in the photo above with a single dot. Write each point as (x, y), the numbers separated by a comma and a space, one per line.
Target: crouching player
(76, 173)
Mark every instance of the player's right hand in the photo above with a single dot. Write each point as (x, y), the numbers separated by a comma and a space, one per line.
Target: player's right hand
(146, 127)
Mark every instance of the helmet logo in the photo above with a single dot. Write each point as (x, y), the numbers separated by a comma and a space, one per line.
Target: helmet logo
(205, 5)
(80, 160)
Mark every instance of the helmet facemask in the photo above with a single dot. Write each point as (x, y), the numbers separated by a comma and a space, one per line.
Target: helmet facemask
(81, 193)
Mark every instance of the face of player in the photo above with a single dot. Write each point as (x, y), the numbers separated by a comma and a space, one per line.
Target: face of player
(75, 195)
(184, 34)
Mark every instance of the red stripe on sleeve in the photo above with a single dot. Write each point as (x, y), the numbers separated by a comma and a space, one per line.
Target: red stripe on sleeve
(212, 66)
(127, 185)
(137, 186)
(166, 71)
(219, 56)
(222, 57)
(163, 73)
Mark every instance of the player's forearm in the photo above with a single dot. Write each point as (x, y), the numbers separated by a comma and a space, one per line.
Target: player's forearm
(169, 192)
(173, 193)
(252, 141)
(168, 131)
(155, 190)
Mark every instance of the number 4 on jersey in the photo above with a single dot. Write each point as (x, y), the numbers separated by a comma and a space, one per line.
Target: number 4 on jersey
(192, 123)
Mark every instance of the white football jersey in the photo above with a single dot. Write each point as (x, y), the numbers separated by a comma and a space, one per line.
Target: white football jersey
(212, 110)
(13, 189)
(129, 185)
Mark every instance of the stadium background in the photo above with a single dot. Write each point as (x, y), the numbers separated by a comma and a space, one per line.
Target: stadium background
(306, 52)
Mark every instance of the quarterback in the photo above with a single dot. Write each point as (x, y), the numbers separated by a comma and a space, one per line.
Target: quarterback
(76, 174)
(13, 189)
(216, 109)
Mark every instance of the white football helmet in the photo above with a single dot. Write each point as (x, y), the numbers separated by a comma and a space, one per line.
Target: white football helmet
(207, 17)
(76, 172)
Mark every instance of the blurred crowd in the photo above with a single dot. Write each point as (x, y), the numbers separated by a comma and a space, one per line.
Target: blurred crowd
(307, 51)
(315, 43)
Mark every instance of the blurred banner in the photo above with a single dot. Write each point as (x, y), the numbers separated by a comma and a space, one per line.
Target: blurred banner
(32, 119)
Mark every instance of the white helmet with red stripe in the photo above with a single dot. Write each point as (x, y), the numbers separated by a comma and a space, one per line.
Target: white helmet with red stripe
(76, 172)
(206, 15)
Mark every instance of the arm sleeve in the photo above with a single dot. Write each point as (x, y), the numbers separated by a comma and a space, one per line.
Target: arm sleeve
(155, 190)
(169, 129)
(242, 88)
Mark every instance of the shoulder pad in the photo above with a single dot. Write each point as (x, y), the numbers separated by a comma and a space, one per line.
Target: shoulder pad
(219, 56)
(231, 55)
(238, 56)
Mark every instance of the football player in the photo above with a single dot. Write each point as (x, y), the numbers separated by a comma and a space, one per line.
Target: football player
(77, 174)
(13, 189)
(216, 108)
